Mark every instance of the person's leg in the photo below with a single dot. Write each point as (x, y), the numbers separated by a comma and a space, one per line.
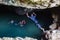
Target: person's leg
(39, 26)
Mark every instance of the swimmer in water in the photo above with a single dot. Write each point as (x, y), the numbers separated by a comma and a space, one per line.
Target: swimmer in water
(33, 18)
(22, 23)
(11, 22)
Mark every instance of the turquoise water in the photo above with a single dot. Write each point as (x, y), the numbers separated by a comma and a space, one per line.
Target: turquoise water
(11, 30)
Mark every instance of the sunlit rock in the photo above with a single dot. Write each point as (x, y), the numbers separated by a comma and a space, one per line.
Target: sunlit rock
(33, 3)
(8, 38)
(17, 38)
(35, 0)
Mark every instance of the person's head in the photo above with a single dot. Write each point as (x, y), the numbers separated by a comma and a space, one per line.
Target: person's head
(55, 17)
(33, 14)
(56, 20)
(55, 14)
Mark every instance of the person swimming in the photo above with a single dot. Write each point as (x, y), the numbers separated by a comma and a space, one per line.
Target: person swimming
(33, 18)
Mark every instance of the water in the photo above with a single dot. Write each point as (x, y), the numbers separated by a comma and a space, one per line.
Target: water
(11, 30)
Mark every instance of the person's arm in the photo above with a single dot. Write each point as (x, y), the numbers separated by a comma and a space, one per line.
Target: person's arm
(27, 15)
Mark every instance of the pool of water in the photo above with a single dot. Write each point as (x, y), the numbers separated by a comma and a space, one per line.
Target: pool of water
(12, 30)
